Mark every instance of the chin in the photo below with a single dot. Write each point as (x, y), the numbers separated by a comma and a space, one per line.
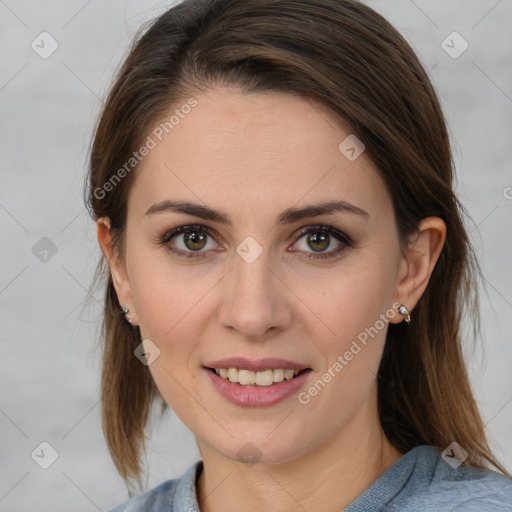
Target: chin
(259, 447)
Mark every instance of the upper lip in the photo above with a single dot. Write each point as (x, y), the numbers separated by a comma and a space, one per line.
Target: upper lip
(256, 365)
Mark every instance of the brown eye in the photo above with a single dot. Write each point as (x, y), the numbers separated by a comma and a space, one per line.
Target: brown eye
(189, 241)
(318, 241)
(194, 240)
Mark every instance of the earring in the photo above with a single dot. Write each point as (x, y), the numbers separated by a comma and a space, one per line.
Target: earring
(125, 313)
(405, 312)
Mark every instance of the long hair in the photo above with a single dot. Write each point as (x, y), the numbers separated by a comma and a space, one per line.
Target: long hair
(344, 55)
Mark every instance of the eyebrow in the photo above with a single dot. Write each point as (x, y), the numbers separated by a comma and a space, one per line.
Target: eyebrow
(288, 216)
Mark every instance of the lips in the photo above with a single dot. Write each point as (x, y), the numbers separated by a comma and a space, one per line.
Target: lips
(262, 378)
(256, 365)
(249, 395)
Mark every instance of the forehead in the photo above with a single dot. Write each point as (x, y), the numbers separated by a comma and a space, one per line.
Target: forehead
(258, 150)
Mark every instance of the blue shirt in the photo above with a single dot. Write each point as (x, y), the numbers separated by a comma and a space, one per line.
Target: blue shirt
(420, 481)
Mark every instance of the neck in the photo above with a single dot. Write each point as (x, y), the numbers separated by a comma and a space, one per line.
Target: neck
(327, 478)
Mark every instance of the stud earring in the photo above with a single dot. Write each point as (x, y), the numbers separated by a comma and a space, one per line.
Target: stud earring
(405, 313)
(125, 313)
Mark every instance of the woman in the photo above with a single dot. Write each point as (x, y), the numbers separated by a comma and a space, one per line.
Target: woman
(287, 265)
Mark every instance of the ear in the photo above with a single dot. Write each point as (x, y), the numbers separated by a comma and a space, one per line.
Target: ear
(418, 263)
(117, 268)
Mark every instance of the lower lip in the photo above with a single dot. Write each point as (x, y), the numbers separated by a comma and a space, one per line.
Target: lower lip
(257, 396)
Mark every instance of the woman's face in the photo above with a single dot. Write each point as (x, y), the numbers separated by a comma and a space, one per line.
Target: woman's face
(260, 280)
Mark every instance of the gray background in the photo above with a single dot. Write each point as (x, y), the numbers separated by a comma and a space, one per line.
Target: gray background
(50, 363)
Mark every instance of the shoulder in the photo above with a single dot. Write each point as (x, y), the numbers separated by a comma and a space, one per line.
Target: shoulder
(439, 486)
(166, 496)
(469, 488)
(154, 500)
(424, 481)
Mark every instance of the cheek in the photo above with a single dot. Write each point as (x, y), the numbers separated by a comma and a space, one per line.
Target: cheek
(354, 305)
(167, 296)
(351, 297)
(172, 312)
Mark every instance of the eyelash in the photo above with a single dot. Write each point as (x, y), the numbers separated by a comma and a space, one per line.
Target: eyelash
(345, 240)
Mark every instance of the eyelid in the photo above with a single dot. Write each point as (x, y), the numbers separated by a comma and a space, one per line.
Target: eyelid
(342, 237)
(169, 234)
(325, 228)
(344, 240)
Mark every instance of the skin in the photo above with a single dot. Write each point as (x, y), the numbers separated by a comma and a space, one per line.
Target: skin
(253, 156)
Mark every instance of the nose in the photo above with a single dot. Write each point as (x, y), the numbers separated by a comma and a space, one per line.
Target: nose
(255, 299)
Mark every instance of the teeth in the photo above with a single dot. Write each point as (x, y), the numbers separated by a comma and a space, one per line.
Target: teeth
(288, 374)
(250, 378)
(264, 378)
(246, 377)
(278, 375)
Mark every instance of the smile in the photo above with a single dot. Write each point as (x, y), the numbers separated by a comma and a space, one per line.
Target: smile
(262, 378)
(249, 388)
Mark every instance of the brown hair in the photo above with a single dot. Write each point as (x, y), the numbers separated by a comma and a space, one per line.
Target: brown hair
(345, 56)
